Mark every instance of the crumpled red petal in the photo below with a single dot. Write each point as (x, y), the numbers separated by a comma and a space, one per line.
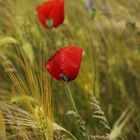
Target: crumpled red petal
(66, 61)
(57, 14)
(52, 9)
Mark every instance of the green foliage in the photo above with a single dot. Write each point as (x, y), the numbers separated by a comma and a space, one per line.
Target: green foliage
(110, 70)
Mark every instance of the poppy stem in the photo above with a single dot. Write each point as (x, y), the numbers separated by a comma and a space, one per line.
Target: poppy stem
(72, 100)
(77, 112)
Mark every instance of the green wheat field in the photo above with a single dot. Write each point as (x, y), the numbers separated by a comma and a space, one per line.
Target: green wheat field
(106, 93)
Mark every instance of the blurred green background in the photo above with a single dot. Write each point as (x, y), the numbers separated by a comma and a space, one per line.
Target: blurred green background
(110, 70)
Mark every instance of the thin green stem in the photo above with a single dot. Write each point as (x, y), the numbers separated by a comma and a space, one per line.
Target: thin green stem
(76, 110)
(72, 100)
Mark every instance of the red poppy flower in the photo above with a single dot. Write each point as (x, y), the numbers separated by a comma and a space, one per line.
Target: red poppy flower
(65, 63)
(51, 13)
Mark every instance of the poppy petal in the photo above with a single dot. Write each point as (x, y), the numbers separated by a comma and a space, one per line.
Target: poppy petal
(70, 61)
(54, 65)
(57, 14)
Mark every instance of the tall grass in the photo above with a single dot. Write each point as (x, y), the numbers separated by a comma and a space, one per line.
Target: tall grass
(106, 92)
